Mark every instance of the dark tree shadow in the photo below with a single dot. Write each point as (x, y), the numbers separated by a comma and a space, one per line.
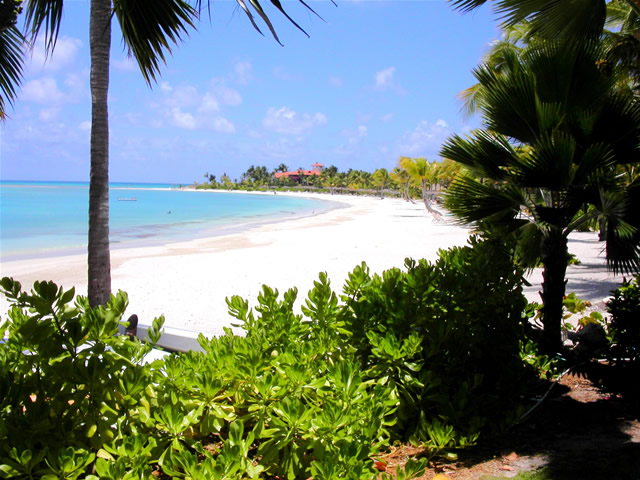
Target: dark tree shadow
(576, 439)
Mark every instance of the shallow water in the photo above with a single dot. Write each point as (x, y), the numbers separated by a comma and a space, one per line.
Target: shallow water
(50, 218)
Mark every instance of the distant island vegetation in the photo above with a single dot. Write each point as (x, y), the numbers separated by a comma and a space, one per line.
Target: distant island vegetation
(411, 178)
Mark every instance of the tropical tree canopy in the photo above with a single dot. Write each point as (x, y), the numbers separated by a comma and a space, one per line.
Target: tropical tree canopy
(557, 131)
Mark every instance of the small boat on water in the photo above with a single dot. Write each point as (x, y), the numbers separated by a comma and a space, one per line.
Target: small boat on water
(133, 199)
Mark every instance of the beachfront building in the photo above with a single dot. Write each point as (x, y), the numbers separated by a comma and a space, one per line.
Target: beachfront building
(297, 175)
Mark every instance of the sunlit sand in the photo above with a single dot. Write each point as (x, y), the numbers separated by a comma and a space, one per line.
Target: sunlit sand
(189, 281)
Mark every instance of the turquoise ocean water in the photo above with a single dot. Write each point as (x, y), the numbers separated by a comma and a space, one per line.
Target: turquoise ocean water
(40, 219)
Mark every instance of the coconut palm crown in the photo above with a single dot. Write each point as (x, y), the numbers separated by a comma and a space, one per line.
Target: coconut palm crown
(557, 132)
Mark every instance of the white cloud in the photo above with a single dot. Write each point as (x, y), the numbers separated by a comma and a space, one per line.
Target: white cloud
(182, 119)
(76, 81)
(63, 55)
(48, 114)
(184, 96)
(225, 95)
(285, 121)
(209, 104)
(43, 90)
(335, 81)
(223, 125)
(243, 72)
(384, 80)
(85, 126)
(425, 139)
(186, 107)
(354, 136)
(387, 117)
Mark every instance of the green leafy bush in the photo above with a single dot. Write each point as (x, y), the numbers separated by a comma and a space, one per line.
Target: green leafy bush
(66, 379)
(624, 326)
(447, 335)
(430, 355)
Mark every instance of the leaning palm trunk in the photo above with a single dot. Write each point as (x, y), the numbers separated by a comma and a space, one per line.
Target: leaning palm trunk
(407, 193)
(99, 288)
(554, 259)
(436, 214)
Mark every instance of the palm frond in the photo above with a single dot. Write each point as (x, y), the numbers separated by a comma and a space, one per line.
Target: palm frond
(11, 65)
(47, 13)
(556, 18)
(510, 107)
(472, 201)
(150, 29)
(467, 5)
(549, 164)
(485, 154)
(618, 125)
(567, 72)
(528, 252)
(256, 7)
(620, 15)
(623, 231)
(597, 167)
(471, 99)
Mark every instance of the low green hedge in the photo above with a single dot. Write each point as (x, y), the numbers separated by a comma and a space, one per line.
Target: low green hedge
(428, 354)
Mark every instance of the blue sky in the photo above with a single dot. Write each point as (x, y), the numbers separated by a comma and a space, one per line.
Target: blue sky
(376, 80)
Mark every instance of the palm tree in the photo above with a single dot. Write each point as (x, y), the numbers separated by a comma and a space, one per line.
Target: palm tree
(502, 58)
(556, 130)
(401, 178)
(281, 168)
(622, 38)
(380, 179)
(422, 172)
(149, 31)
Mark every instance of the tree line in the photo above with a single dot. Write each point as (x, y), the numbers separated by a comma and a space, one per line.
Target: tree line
(408, 179)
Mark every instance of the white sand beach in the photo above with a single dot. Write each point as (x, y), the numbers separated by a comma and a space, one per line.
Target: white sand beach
(189, 281)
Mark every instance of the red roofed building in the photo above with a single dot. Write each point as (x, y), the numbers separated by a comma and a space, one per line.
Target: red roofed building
(296, 174)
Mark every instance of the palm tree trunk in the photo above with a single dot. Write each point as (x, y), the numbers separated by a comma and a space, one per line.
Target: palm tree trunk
(436, 214)
(602, 229)
(554, 259)
(407, 194)
(99, 288)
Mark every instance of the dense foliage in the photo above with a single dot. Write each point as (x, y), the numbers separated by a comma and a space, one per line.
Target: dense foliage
(429, 355)
(558, 134)
(624, 326)
(402, 180)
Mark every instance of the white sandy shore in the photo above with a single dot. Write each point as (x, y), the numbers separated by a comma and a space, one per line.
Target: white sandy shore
(189, 281)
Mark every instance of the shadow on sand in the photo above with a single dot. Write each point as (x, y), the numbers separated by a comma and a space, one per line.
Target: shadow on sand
(578, 436)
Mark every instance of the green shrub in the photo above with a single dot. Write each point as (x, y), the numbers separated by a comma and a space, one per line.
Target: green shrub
(66, 379)
(624, 326)
(430, 354)
(446, 334)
